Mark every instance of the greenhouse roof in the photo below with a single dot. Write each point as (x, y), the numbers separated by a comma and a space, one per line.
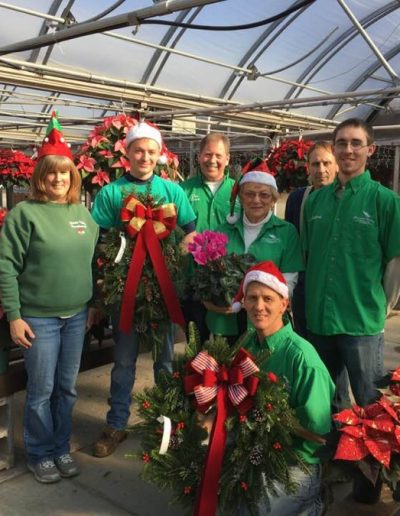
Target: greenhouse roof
(255, 69)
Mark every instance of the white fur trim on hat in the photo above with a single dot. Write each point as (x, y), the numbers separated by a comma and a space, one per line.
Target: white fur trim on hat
(267, 279)
(256, 176)
(143, 130)
(236, 307)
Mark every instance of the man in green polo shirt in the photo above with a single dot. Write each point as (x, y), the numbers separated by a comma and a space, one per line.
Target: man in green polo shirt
(351, 240)
(266, 297)
(209, 194)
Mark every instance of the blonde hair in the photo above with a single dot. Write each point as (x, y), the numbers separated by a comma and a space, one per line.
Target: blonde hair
(215, 137)
(46, 166)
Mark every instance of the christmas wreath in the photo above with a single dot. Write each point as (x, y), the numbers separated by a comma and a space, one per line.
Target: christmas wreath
(142, 299)
(16, 168)
(218, 275)
(288, 163)
(102, 158)
(250, 442)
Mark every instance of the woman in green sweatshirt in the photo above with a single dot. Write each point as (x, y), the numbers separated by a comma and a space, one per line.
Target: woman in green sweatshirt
(46, 249)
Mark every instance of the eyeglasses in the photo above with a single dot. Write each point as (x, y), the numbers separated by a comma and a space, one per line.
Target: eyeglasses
(264, 196)
(354, 145)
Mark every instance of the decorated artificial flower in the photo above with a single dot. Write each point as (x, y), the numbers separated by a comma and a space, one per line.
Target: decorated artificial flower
(16, 168)
(102, 158)
(288, 162)
(246, 444)
(218, 276)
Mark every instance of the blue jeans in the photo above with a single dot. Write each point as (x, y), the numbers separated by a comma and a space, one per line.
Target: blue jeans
(52, 365)
(305, 501)
(359, 357)
(123, 372)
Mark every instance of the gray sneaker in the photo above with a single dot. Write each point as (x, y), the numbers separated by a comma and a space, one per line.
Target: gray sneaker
(66, 465)
(45, 471)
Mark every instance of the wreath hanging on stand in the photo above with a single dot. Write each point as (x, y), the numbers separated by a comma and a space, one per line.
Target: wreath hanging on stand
(222, 388)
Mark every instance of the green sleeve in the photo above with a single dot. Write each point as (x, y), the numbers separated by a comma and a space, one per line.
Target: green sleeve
(14, 243)
(389, 222)
(292, 259)
(106, 207)
(184, 208)
(311, 395)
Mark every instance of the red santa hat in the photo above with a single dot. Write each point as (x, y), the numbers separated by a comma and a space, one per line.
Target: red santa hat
(54, 142)
(266, 273)
(255, 171)
(144, 130)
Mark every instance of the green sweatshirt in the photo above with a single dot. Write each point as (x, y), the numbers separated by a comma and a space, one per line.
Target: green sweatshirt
(46, 252)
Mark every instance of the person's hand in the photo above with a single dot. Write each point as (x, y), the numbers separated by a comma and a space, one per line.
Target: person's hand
(95, 316)
(223, 310)
(21, 333)
(187, 239)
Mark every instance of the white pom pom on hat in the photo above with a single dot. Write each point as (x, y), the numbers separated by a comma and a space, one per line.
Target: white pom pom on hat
(162, 160)
(266, 273)
(143, 130)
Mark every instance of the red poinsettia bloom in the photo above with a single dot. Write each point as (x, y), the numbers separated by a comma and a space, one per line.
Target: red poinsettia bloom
(122, 163)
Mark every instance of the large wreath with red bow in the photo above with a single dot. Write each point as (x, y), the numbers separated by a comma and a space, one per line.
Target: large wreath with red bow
(215, 428)
(139, 270)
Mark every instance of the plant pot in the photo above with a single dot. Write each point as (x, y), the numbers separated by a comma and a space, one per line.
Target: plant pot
(364, 491)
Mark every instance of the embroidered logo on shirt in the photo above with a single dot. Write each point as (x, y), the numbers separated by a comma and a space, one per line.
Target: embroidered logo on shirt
(316, 217)
(79, 226)
(365, 219)
(271, 239)
(194, 198)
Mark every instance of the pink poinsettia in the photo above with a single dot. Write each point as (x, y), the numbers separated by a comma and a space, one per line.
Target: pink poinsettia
(101, 178)
(104, 152)
(85, 163)
(208, 246)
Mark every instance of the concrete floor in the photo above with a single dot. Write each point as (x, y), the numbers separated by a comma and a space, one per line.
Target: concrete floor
(111, 486)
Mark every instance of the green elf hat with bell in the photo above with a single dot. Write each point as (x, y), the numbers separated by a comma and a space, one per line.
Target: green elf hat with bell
(255, 171)
(54, 142)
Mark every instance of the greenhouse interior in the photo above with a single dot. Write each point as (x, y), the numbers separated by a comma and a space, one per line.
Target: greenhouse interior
(273, 76)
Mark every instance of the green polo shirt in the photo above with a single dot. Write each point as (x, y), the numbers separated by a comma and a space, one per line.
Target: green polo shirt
(277, 241)
(108, 202)
(310, 387)
(348, 240)
(210, 209)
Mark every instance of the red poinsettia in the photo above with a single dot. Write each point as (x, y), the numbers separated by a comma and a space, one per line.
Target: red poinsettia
(102, 158)
(16, 168)
(288, 163)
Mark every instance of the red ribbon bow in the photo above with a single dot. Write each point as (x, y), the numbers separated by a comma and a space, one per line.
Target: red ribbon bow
(234, 386)
(149, 225)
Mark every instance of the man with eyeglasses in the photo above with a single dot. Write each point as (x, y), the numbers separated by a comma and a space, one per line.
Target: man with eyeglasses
(351, 239)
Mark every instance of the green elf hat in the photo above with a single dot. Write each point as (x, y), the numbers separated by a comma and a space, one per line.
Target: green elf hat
(54, 142)
(255, 171)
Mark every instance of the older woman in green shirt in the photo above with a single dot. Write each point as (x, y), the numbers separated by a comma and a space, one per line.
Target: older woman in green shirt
(257, 231)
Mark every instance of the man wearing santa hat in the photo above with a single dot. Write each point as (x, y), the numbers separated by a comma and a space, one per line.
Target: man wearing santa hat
(143, 144)
(265, 296)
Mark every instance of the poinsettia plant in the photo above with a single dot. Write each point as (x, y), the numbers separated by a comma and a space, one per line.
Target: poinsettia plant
(288, 162)
(102, 158)
(16, 168)
(370, 436)
(218, 275)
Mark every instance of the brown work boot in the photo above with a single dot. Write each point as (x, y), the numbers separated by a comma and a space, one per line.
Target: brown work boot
(108, 442)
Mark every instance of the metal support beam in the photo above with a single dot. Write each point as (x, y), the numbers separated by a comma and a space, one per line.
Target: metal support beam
(114, 22)
(370, 43)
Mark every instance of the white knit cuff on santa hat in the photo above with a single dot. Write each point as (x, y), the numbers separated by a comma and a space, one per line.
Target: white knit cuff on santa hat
(143, 130)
